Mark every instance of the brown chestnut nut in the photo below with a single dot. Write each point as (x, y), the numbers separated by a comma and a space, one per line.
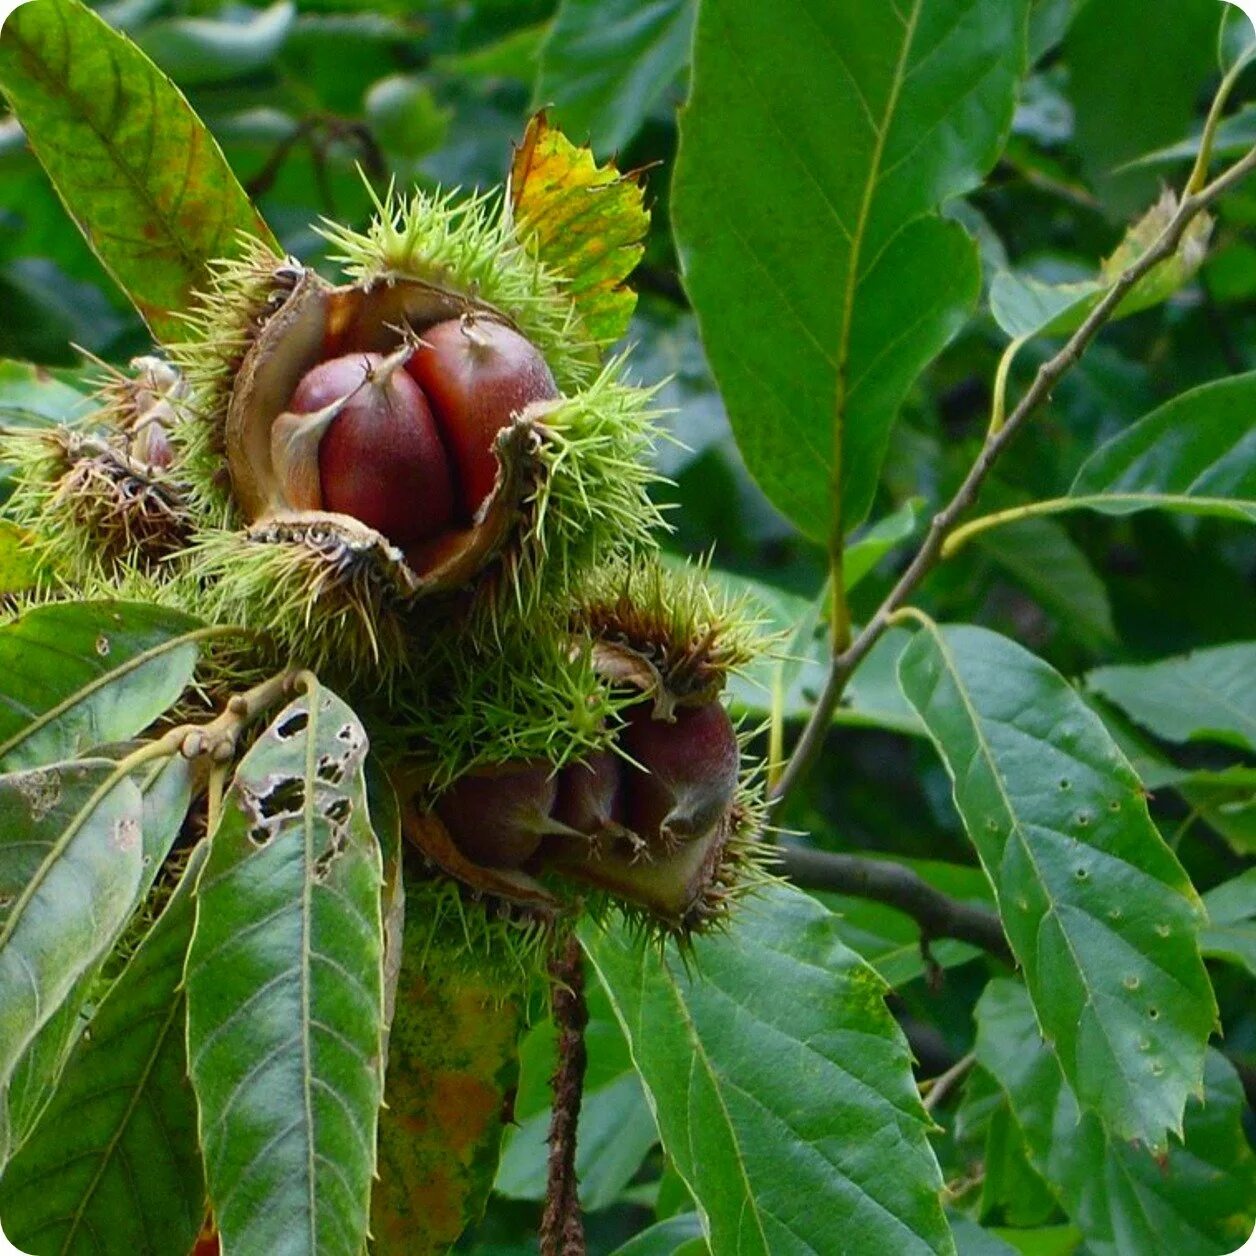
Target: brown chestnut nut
(477, 375)
(687, 775)
(498, 816)
(381, 459)
(590, 797)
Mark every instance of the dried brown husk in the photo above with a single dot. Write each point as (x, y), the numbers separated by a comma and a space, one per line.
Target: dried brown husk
(120, 510)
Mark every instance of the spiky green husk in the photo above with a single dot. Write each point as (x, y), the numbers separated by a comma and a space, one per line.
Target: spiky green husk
(592, 507)
(221, 327)
(325, 599)
(475, 705)
(341, 605)
(470, 246)
(90, 508)
(489, 936)
(688, 631)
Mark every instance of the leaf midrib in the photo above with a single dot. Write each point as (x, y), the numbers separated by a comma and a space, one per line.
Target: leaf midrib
(313, 695)
(853, 266)
(40, 69)
(76, 1217)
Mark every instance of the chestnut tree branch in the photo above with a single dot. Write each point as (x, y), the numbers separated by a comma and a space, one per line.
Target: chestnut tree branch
(848, 658)
(562, 1231)
(937, 914)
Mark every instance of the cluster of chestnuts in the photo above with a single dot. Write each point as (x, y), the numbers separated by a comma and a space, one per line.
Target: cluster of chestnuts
(405, 441)
(410, 482)
(647, 819)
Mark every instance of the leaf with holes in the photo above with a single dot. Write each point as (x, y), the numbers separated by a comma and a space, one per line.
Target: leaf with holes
(1196, 1200)
(1209, 695)
(817, 143)
(71, 857)
(1096, 907)
(284, 990)
(794, 1121)
(77, 675)
(452, 1066)
(116, 1151)
(584, 221)
(137, 169)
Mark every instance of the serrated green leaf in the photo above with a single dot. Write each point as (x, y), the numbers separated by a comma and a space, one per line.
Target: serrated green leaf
(794, 1121)
(77, 675)
(116, 1151)
(1209, 695)
(1096, 907)
(71, 859)
(816, 144)
(605, 65)
(452, 1067)
(284, 990)
(136, 168)
(1198, 1200)
(583, 221)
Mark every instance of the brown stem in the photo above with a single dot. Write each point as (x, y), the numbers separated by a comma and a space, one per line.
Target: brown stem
(562, 1230)
(937, 914)
(844, 664)
(938, 1089)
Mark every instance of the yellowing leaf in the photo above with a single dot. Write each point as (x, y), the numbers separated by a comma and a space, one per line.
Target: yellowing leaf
(584, 221)
(452, 1067)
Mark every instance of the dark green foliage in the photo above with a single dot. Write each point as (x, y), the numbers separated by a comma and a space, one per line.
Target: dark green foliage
(872, 225)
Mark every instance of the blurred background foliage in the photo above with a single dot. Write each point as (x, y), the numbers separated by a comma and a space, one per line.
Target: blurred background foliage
(320, 104)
